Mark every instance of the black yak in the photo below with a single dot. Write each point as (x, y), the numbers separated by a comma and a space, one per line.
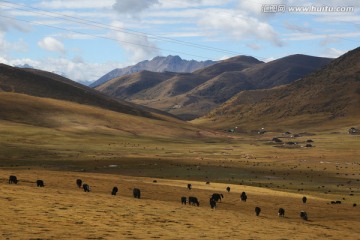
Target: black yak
(304, 199)
(86, 187)
(217, 197)
(79, 182)
(212, 203)
(136, 193)
(193, 201)
(114, 191)
(243, 196)
(13, 179)
(228, 189)
(281, 212)
(304, 215)
(257, 211)
(40, 183)
(183, 200)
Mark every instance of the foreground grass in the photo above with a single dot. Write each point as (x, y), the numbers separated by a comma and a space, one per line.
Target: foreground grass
(61, 211)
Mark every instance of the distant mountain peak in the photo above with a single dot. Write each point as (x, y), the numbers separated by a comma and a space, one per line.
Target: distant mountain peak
(169, 63)
(24, 66)
(190, 95)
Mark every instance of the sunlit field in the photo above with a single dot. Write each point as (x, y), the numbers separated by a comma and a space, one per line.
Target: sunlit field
(272, 174)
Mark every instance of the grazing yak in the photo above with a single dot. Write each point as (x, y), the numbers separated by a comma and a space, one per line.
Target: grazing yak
(228, 189)
(216, 197)
(183, 200)
(136, 193)
(304, 215)
(212, 203)
(304, 199)
(243, 196)
(13, 179)
(193, 201)
(114, 191)
(189, 186)
(40, 183)
(257, 211)
(86, 187)
(354, 205)
(79, 183)
(281, 212)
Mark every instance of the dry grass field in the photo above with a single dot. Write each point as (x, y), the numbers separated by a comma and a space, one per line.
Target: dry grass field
(272, 175)
(62, 211)
(59, 141)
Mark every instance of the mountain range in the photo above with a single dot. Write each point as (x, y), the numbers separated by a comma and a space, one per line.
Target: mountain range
(157, 64)
(325, 97)
(297, 91)
(192, 95)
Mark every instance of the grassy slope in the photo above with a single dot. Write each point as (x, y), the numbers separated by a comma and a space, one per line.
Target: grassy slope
(48, 85)
(195, 94)
(75, 137)
(328, 98)
(61, 211)
(39, 135)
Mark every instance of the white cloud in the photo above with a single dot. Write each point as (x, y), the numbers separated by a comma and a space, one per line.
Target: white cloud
(6, 46)
(332, 53)
(236, 27)
(328, 40)
(296, 27)
(3, 60)
(76, 69)
(51, 44)
(339, 18)
(133, 7)
(253, 46)
(75, 4)
(269, 59)
(7, 22)
(137, 47)
(223, 58)
(166, 4)
(326, 37)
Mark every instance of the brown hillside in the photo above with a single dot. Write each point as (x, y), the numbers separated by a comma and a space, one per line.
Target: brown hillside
(195, 94)
(38, 113)
(326, 96)
(232, 64)
(49, 85)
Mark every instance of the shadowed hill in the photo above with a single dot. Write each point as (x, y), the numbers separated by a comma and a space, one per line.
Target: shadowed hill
(38, 114)
(166, 90)
(232, 64)
(327, 96)
(132, 85)
(190, 95)
(48, 85)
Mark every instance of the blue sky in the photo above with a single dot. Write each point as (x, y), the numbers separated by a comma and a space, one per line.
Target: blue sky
(85, 39)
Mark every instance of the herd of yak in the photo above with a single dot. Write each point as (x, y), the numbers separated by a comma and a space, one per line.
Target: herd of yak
(216, 197)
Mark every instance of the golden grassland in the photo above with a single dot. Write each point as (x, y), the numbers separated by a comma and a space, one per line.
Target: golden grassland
(60, 141)
(62, 211)
(273, 177)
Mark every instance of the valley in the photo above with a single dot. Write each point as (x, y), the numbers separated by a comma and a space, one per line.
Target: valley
(57, 131)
